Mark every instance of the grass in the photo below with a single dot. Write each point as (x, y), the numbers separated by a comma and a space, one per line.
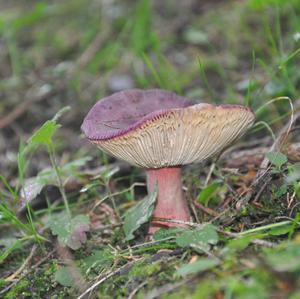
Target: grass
(64, 204)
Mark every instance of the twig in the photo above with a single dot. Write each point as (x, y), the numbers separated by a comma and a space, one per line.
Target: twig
(193, 211)
(16, 273)
(293, 208)
(263, 243)
(107, 226)
(115, 194)
(255, 241)
(24, 274)
(127, 267)
(188, 223)
(105, 277)
(205, 209)
(259, 193)
(263, 174)
(210, 172)
(167, 288)
(151, 242)
(131, 295)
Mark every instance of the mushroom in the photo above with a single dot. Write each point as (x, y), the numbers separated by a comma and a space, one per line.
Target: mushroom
(161, 131)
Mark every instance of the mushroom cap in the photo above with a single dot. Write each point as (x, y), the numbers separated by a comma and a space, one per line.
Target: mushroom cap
(156, 128)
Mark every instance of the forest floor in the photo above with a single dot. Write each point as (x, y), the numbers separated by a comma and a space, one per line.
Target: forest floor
(71, 220)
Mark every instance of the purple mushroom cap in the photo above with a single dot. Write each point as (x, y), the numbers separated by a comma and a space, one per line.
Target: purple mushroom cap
(156, 128)
(123, 111)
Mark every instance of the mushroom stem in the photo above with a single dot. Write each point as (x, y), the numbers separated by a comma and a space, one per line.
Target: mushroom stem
(170, 203)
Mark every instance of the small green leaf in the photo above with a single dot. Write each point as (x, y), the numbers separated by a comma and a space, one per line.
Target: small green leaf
(279, 192)
(201, 237)
(99, 260)
(63, 277)
(45, 133)
(70, 232)
(165, 233)
(60, 113)
(260, 4)
(281, 230)
(36, 14)
(198, 266)
(139, 214)
(241, 243)
(207, 193)
(33, 186)
(294, 173)
(277, 158)
(285, 258)
(9, 247)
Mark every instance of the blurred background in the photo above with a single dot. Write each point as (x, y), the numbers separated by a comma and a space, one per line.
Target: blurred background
(59, 53)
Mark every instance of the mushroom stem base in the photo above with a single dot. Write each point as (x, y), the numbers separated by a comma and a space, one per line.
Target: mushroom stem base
(170, 203)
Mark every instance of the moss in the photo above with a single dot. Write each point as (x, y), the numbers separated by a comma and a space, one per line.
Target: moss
(39, 284)
(20, 290)
(113, 288)
(2, 283)
(143, 270)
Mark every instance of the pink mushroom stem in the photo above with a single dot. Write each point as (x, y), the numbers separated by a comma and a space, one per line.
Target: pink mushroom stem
(170, 203)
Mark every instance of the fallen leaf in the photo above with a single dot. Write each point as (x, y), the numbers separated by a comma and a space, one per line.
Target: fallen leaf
(70, 232)
(63, 277)
(139, 215)
(201, 237)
